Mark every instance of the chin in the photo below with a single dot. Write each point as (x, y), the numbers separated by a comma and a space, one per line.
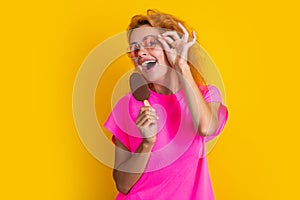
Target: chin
(150, 78)
(155, 78)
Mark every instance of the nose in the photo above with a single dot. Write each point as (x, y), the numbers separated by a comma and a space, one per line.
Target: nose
(143, 51)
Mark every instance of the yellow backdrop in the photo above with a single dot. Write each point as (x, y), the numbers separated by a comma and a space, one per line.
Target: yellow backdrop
(255, 45)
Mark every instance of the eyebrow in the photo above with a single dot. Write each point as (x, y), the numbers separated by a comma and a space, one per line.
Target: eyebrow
(143, 39)
(133, 43)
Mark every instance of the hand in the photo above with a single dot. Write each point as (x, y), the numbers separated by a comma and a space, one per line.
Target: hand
(177, 47)
(147, 123)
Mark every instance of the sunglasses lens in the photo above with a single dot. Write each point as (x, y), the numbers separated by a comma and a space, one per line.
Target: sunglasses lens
(149, 42)
(133, 50)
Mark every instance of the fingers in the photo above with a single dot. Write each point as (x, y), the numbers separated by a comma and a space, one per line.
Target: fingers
(173, 39)
(186, 36)
(147, 110)
(146, 117)
(165, 44)
(169, 50)
(146, 121)
(189, 44)
(185, 33)
(169, 40)
(176, 46)
(171, 34)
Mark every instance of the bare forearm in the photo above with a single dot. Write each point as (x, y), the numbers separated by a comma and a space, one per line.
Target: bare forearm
(204, 120)
(130, 171)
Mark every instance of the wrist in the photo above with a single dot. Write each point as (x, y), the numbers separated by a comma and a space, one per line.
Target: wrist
(183, 68)
(186, 75)
(149, 142)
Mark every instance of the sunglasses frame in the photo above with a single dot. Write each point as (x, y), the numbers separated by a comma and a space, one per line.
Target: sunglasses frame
(134, 53)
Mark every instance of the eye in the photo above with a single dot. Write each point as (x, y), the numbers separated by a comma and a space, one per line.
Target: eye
(150, 42)
(134, 47)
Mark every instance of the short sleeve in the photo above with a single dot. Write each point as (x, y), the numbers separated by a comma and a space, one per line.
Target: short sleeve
(213, 95)
(116, 123)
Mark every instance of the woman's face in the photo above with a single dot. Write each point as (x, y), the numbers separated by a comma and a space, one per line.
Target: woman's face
(147, 53)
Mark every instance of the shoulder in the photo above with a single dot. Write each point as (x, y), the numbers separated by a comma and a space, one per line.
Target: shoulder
(210, 93)
(124, 102)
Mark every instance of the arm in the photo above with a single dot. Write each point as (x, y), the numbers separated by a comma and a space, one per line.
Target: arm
(204, 114)
(130, 167)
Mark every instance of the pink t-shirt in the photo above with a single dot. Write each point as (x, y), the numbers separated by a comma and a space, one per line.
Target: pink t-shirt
(177, 168)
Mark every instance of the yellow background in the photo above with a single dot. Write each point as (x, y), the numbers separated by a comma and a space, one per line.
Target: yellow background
(255, 45)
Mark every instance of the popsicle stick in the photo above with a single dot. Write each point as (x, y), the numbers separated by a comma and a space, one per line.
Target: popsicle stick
(146, 102)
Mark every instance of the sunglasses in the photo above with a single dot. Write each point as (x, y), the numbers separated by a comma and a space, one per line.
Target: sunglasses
(148, 43)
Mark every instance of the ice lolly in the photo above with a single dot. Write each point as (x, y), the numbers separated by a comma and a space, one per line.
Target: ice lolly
(139, 88)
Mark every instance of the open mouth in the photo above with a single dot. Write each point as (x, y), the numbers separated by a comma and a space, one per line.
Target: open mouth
(148, 64)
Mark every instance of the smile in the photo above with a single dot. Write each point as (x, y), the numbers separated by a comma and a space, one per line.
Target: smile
(149, 64)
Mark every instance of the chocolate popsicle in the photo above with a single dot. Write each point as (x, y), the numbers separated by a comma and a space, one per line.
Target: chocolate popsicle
(139, 88)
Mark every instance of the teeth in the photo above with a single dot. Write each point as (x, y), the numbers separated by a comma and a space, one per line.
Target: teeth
(145, 64)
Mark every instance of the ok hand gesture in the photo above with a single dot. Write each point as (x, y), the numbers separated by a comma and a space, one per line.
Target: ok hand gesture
(177, 47)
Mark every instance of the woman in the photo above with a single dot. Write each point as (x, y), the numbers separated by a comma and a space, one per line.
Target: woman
(160, 149)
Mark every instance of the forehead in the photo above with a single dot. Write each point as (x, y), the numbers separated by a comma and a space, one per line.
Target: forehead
(139, 33)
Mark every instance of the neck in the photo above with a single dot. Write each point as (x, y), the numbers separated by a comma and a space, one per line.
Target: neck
(168, 85)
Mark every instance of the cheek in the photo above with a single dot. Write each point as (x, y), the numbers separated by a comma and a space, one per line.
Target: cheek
(135, 63)
(162, 58)
(159, 54)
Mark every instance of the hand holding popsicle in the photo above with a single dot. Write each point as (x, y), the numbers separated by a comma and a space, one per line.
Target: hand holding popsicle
(147, 118)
